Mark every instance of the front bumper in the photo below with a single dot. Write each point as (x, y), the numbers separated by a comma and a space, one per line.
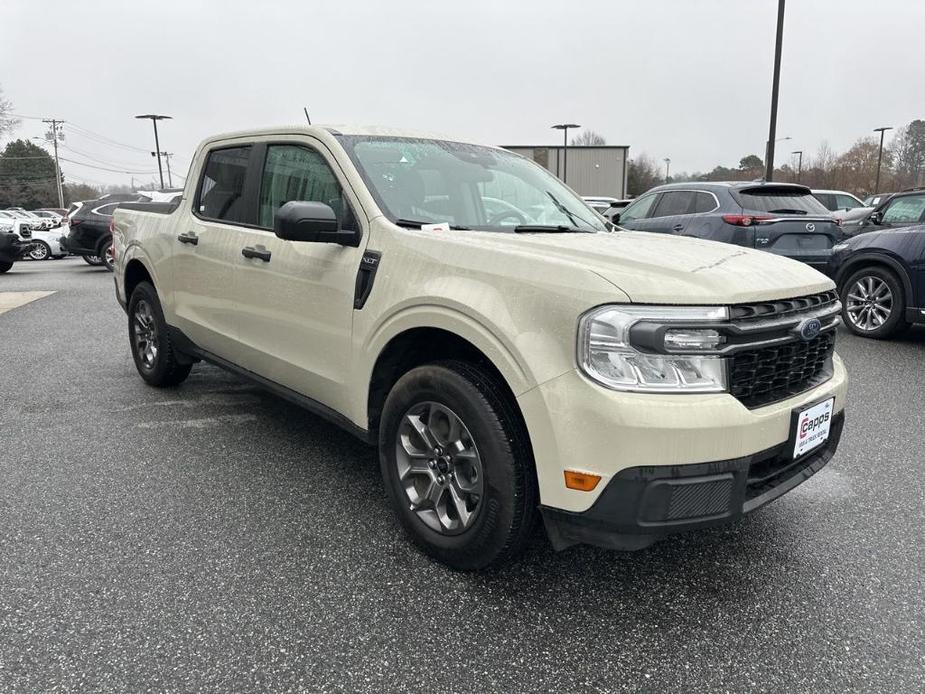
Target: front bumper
(641, 504)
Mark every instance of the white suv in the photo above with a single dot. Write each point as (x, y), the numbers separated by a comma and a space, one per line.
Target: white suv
(460, 308)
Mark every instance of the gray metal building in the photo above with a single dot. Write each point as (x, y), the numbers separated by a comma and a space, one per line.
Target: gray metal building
(592, 170)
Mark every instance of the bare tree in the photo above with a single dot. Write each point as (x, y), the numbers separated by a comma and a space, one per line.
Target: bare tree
(908, 150)
(7, 122)
(642, 174)
(588, 138)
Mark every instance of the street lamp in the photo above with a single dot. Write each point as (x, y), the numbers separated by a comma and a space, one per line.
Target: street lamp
(565, 127)
(157, 145)
(775, 89)
(880, 155)
(800, 163)
(667, 161)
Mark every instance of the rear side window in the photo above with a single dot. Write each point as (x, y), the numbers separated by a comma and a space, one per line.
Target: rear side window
(294, 172)
(221, 191)
(704, 202)
(674, 202)
(779, 200)
(905, 210)
(846, 202)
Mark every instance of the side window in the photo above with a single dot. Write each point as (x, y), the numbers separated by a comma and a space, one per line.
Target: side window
(222, 186)
(704, 202)
(295, 172)
(827, 200)
(674, 202)
(905, 210)
(106, 210)
(639, 209)
(846, 202)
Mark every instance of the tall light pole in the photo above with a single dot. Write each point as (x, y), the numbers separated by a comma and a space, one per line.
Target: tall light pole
(565, 127)
(667, 167)
(166, 156)
(880, 156)
(775, 88)
(799, 163)
(54, 122)
(157, 145)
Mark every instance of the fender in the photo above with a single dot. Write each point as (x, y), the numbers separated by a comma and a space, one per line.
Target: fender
(872, 257)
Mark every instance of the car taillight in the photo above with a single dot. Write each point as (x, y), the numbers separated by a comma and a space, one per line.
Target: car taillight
(745, 220)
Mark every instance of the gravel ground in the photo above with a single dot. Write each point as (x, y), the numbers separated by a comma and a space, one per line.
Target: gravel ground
(216, 538)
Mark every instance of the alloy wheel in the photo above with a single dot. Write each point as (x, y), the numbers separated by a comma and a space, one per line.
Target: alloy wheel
(869, 303)
(439, 468)
(39, 252)
(144, 330)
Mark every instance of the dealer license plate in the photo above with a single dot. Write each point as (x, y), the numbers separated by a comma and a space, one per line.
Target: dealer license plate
(812, 427)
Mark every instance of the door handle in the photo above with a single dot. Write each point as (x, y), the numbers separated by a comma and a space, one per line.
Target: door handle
(258, 252)
(189, 238)
(678, 227)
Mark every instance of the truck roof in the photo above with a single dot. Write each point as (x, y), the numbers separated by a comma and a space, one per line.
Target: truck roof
(325, 131)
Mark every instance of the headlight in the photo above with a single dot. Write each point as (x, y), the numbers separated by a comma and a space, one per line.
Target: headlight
(609, 354)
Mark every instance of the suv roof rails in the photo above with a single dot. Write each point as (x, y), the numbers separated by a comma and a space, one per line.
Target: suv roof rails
(909, 190)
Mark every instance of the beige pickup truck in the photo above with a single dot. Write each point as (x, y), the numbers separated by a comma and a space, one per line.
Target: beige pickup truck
(512, 355)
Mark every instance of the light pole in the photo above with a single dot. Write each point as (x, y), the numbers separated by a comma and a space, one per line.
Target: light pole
(775, 88)
(667, 167)
(565, 127)
(799, 163)
(880, 156)
(157, 145)
(166, 156)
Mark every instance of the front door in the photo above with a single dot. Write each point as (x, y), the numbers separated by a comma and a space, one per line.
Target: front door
(294, 300)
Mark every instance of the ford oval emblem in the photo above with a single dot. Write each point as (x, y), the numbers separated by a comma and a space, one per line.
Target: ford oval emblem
(810, 227)
(810, 328)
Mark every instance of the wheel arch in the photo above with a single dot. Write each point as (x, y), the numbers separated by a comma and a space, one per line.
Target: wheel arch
(135, 273)
(874, 260)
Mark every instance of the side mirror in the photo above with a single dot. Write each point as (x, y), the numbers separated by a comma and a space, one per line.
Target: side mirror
(875, 217)
(302, 220)
(615, 218)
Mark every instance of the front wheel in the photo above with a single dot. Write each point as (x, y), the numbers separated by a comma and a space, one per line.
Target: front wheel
(93, 260)
(873, 303)
(157, 361)
(457, 465)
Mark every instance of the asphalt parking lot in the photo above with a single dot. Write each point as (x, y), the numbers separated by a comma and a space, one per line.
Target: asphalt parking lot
(216, 538)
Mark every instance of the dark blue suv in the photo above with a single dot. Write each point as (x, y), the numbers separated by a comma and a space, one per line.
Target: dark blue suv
(781, 218)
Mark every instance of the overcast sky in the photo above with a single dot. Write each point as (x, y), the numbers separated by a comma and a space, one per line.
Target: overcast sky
(671, 78)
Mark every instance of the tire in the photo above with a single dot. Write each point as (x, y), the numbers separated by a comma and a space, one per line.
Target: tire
(500, 499)
(93, 260)
(874, 303)
(160, 366)
(106, 255)
(40, 251)
(5, 266)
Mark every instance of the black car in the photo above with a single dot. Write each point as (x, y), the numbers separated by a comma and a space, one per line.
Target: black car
(781, 218)
(881, 280)
(12, 248)
(89, 234)
(898, 210)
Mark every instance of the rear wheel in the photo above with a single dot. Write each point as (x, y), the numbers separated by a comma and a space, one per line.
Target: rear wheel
(157, 361)
(107, 253)
(40, 251)
(5, 266)
(93, 260)
(457, 465)
(873, 303)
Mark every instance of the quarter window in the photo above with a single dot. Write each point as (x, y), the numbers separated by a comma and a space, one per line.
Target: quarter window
(294, 172)
(905, 210)
(704, 202)
(221, 192)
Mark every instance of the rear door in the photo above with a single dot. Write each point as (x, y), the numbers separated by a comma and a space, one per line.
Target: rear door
(295, 304)
(790, 221)
(670, 214)
(205, 246)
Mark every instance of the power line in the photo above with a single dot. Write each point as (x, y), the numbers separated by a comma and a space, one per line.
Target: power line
(104, 168)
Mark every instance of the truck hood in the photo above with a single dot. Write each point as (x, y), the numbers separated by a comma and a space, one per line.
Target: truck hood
(665, 269)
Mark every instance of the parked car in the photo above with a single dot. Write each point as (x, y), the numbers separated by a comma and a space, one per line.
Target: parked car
(837, 200)
(629, 385)
(899, 210)
(881, 280)
(60, 211)
(46, 245)
(36, 221)
(877, 199)
(89, 234)
(12, 248)
(782, 218)
(605, 205)
(19, 224)
(56, 219)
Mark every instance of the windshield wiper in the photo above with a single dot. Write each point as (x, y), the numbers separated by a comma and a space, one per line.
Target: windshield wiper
(415, 224)
(568, 213)
(786, 210)
(548, 228)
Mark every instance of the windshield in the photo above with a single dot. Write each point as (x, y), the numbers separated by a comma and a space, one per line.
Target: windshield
(465, 186)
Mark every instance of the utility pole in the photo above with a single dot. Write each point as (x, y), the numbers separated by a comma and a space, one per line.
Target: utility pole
(166, 156)
(565, 127)
(775, 88)
(54, 138)
(880, 156)
(799, 164)
(154, 118)
(667, 167)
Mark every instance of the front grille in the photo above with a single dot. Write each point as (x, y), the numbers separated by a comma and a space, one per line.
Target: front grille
(762, 376)
(782, 308)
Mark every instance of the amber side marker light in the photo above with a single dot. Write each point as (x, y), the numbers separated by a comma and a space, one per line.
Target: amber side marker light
(582, 481)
